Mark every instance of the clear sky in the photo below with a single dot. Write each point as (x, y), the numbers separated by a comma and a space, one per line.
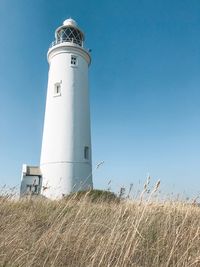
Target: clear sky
(144, 84)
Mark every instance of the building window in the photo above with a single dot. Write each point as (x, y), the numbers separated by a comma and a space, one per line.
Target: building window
(86, 152)
(57, 89)
(73, 61)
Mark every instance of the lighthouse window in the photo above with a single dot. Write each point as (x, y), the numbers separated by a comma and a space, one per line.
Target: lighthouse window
(73, 60)
(70, 34)
(57, 89)
(86, 152)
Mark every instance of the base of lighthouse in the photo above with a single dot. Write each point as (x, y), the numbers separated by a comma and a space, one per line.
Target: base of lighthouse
(55, 181)
(61, 179)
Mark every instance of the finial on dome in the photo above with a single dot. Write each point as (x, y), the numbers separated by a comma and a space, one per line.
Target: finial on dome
(70, 22)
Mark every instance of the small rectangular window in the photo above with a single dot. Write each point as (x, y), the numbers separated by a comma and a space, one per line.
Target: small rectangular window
(86, 152)
(73, 60)
(57, 89)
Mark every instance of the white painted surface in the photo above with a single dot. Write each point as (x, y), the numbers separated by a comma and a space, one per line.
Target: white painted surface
(70, 22)
(30, 180)
(67, 124)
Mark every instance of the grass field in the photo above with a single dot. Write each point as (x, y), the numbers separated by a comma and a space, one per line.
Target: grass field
(80, 231)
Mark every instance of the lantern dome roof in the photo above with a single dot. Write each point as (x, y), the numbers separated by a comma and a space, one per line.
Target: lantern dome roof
(70, 22)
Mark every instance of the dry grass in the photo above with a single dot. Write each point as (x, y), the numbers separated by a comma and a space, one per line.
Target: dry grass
(78, 232)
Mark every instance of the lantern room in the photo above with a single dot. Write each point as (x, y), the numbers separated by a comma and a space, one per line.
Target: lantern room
(69, 32)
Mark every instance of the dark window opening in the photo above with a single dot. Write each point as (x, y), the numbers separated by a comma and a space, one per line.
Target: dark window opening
(57, 89)
(73, 60)
(86, 152)
(32, 188)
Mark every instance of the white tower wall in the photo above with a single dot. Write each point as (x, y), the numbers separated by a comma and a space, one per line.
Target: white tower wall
(66, 147)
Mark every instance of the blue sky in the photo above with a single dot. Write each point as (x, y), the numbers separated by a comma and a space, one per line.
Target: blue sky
(144, 82)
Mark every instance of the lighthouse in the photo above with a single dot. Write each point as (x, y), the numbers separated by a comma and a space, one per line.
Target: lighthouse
(65, 162)
(66, 159)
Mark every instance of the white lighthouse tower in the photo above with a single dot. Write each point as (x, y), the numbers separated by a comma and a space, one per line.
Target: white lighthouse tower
(65, 163)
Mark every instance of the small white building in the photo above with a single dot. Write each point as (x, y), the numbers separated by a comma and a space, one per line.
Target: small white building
(31, 180)
(66, 159)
